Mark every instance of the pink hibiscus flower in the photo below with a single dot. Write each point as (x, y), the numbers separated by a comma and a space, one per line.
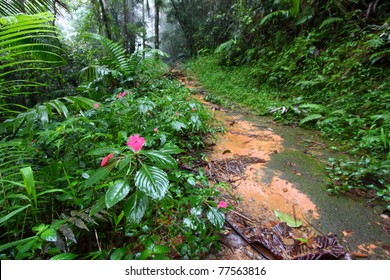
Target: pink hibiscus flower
(106, 159)
(222, 204)
(96, 105)
(136, 142)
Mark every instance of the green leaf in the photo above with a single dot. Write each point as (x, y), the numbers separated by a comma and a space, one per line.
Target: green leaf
(29, 182)
(170, 148)
(118, 254)
(100, 174)
(163, 160)
(116, 193)
(160, 249)
(49, 235)
(99, 206)
(13, 213)
(16, 243)
(178, 125)
(152, 181)
(64, 256)
(103, 152)
(216, 217)
(290, 221)
(136, 206)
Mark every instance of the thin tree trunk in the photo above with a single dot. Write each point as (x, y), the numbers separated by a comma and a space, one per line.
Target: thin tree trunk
(157, 25)
(105, 20)
(132, 35)
(144, 25)
(125, 29)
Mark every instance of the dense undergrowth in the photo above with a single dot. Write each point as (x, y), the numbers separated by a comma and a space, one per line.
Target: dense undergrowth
(98, 175)
(339, 85)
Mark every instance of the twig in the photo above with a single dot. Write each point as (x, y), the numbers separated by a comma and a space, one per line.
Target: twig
(97, 241)
(246, 240)
(242, 216)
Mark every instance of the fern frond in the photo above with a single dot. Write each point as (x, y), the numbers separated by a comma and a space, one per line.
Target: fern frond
(314, 117)
(314, 107)
(330, 21)
(273, 15)
(117, 54)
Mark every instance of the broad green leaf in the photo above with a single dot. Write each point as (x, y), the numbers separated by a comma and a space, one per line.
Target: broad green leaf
(100, 174)
(83, 102)
(163, 160)
(60, 107)
(43, 113)
(64, 256)
(135, 207)
(13, 213)
(49, 235)
(152, 181)
(290, 221)
(118, 254)
(160, 249)
(103, 152)
(116, 193)
(216, 217)
(99, 206)
(29, 182)
(145, 254)
(170, 148)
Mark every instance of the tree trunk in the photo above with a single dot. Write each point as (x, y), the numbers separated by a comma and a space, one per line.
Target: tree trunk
(125, 23)
(157, 24)
(132, 35)
(105, 20)
(144, 25)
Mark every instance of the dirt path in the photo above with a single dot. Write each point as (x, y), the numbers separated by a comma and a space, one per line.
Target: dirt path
(270, 167)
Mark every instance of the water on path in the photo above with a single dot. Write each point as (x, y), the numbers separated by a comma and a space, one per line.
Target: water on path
(288, 176)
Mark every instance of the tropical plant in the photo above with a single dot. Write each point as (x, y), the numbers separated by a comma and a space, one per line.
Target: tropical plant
(28, 42)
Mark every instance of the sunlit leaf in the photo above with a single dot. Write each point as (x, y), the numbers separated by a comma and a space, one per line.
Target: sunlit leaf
(64, 256)
(49, 235)
(29, 183)
(290, 221)
(176, 125)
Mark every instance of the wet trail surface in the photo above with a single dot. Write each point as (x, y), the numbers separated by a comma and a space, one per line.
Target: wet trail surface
(271, 167)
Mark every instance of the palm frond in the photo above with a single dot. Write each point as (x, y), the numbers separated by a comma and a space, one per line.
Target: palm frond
(13, 7)
(27, 42)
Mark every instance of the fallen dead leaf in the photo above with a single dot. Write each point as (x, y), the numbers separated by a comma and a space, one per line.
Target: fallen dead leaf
(346, 233)
(359, 255)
